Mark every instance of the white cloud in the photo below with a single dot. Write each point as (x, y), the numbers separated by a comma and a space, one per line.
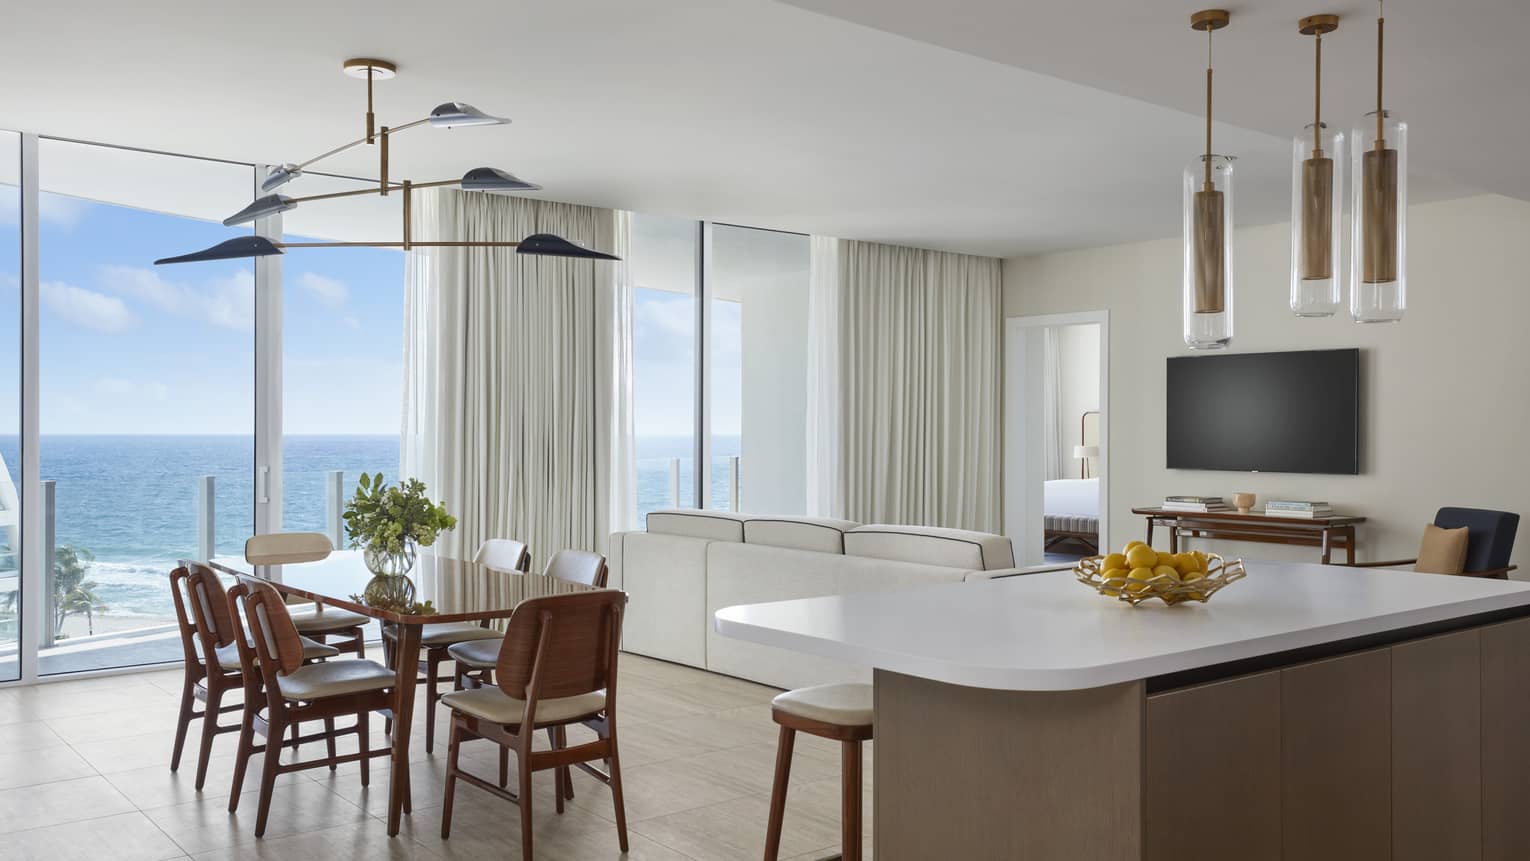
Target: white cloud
(52, 208)
(86, 307)
(228, 302)
(329, 291)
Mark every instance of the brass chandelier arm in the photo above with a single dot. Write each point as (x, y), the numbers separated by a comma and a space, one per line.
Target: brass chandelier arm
(434, 244)
(375, 190)
(392, 130)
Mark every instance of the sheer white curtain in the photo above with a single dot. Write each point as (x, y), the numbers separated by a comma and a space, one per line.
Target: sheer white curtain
(907, 368)
(507, 408)
(823, 487)
(1051, 388)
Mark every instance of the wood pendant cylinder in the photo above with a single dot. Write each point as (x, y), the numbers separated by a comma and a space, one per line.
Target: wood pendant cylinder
(1317, 219)
(1210, 290)
(1378, 251)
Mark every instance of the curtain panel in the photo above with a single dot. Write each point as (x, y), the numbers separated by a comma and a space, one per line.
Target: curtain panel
(918, 358)
(508, 393)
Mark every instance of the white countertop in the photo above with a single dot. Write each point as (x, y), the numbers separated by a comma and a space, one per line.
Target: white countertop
(1047, 632)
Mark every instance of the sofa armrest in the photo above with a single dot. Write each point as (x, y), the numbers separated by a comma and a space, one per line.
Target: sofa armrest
(1012, 572)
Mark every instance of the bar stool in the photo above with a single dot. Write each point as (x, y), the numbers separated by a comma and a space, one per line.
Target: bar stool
(839, 712)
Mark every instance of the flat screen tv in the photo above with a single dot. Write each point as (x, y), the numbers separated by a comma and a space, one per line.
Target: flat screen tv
(1265, 412)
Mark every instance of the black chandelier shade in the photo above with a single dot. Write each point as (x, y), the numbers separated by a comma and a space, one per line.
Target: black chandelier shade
(552, 245)
(229, 249)
(537, 245)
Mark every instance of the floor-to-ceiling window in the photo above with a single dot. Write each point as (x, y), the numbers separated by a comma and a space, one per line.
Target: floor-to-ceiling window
(664, 263)
(10, 404)
(146, 394)
(342, 352)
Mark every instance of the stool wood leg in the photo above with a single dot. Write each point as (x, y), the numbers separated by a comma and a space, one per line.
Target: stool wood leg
(778, 793)
(850, 804)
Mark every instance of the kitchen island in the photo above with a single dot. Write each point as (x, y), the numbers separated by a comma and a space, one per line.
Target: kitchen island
(1306, 712)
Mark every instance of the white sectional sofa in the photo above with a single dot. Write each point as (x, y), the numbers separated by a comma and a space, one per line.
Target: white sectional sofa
(691, 563)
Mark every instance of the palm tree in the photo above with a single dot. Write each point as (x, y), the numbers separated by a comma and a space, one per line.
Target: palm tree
(72, 593)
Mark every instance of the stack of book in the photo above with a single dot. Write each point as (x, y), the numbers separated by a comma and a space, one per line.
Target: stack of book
(1297, 508)
(1195, 503)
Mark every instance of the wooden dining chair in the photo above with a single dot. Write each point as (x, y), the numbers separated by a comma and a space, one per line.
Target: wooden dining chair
(557, 666)
(292, 548)
(502, 554)
(217, 633)
(475, 660)
(295, 692)
(194, 684)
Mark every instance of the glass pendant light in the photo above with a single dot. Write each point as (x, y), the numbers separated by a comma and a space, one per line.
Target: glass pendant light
(1208, 227)
(1317, 197)
(1378, 290)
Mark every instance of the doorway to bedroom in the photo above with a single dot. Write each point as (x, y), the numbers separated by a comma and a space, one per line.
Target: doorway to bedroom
(1055, 482)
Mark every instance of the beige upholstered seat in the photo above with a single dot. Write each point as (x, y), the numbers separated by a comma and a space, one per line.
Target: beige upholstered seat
(841, 705)
(328, 619)
(496, 706)
(228, 656)
(287, 548)
(476, 654)
(446, 633)
(334, 678)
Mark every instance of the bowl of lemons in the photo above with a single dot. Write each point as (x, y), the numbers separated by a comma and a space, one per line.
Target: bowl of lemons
(1139, 573)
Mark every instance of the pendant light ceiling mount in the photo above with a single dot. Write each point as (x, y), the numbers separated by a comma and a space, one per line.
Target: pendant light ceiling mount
(1210, 19)
(1317, 25)
(368, 67)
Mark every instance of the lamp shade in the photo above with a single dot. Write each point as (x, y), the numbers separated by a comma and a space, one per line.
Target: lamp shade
(549, 245)
(230, 249)
(453, 114)
(280, 176)
(262, 207)
(494, 179)
(1083, 451)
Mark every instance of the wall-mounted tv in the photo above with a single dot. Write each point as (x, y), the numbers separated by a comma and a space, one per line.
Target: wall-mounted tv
(1265, 412)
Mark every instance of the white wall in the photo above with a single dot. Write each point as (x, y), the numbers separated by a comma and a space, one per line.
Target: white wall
(1446, 392)
(1078, 350)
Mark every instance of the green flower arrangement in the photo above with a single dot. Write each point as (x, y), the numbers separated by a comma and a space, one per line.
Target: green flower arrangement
(391, 519)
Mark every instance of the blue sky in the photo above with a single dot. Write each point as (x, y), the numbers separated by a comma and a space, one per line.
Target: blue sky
(132, 348)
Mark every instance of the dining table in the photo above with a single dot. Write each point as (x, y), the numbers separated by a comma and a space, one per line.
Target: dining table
(458, 591)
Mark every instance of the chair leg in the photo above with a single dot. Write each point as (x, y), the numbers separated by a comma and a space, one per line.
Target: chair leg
(329, 740)
(504, 767)
(560, 774)
(523, 765)
(364, 744)
(209, 731)
(850, 804)
(432, 666)
(268, 778)
(452, 744)
(359, 639)
(183, 720)
(614, 768)
(246, 745)
(296, 725)
(568, 774)
(778, 793)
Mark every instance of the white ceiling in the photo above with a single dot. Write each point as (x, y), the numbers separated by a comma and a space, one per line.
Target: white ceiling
(766, 114)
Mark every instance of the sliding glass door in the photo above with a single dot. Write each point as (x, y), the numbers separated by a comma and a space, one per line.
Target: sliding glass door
(11, 330)
(146, 395)
(665, 268)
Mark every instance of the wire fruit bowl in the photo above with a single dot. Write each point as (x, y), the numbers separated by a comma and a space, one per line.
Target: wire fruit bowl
(1171, 590)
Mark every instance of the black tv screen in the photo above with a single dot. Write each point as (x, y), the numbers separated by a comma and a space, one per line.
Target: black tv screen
(1266, 412)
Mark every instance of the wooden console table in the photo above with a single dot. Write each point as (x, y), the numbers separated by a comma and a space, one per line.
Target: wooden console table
(1329, 533)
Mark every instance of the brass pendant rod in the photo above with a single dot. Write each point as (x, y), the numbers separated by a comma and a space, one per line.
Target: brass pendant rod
(382, 168)
(1208, 185)
(1317, 102)
(408, 211)
(370, 117)
(1381, 23)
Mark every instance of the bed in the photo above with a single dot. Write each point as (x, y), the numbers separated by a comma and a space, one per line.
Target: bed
(1072, 508)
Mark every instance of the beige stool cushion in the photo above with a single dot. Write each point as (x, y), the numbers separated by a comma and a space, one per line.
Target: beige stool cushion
(228, 656)
(477, 654)
(328, 621)
(334, 678)
(840, 705)
(447, 633)
(496, 706)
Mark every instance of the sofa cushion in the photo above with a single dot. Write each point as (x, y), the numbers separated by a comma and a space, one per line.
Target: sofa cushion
(929, 545)
(819, 534)
(695, 523)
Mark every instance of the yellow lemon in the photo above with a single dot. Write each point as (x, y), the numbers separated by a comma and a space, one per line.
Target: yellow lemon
(1130, 545)
(1141, 556)
(1192, 575)
(1186, 563)
(1201, 559)
(1137, 579)
(1166, 571)
(1112, 581)
(1114, 560)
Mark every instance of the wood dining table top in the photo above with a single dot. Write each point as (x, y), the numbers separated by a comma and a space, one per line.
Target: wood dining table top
(459, 591)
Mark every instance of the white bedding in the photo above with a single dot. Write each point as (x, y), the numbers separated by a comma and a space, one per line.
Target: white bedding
(1073, 496)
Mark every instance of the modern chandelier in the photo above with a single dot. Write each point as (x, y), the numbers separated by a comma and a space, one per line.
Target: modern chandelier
(1378, 275)
(1317, 196)
(1208, 226)
(445, 116)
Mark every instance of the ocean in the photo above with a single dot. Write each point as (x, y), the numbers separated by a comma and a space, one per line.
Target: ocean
(131, 501)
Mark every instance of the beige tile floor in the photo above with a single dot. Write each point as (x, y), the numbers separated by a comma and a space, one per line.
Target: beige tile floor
(84, 774)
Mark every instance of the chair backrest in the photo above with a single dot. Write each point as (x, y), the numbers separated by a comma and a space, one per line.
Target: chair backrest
(209, 608)
(276, 639)
(246, 646)
(1489, 535)
(504, 554)
(578, 566)
(183, 623)
(562, 646)
(287, 548)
